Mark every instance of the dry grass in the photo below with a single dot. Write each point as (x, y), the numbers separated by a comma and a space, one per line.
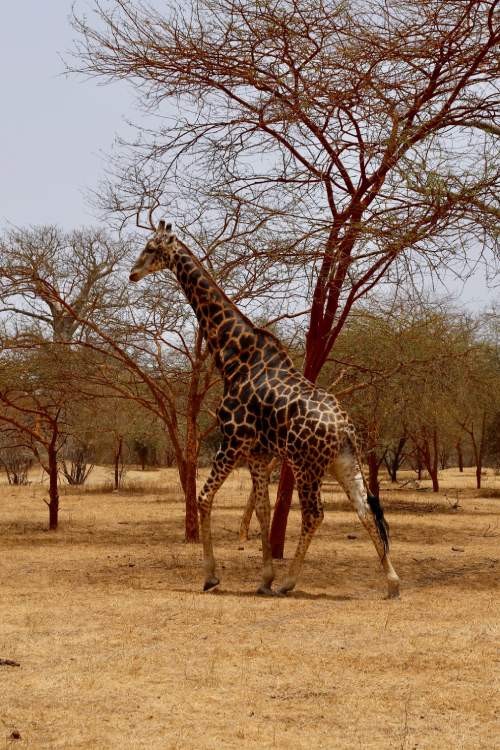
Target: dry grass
(119, 649)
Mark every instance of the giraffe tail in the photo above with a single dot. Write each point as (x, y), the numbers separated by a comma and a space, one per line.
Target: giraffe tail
(380, 520)
(373, 500)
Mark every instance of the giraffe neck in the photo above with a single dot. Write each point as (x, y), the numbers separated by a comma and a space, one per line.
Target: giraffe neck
(224, 327)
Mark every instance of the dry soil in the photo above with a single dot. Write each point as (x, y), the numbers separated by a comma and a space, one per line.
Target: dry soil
(119, 649)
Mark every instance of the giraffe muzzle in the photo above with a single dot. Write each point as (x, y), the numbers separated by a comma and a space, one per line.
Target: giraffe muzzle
(134, 276)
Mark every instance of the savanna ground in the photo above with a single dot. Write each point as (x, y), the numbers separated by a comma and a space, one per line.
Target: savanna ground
(118, 647)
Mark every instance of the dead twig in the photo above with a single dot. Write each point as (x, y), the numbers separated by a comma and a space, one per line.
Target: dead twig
(9, 663)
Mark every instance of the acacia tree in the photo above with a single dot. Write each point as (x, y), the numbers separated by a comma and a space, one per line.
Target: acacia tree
(446, 340)
(478, 400)
(373, 359)
(364, 130)
(121, 422)
(32, 404)
(136, 368)
(405, 365)
(35, 262)
(14, 457)
(80, 265)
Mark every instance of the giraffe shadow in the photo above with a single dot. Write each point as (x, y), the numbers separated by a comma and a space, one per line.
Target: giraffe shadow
(321, 596)
(249, 594)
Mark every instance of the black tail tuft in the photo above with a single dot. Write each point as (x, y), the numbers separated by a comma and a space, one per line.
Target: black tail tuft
(382, 524)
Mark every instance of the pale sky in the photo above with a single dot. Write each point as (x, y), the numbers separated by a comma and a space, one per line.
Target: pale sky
(55, 129)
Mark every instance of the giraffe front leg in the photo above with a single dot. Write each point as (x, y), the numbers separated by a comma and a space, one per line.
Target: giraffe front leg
(312, 516)
(205, 509)
(260, 479)
(222, 466)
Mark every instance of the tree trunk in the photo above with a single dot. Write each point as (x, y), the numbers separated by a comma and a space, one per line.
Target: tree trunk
(481, 452)
(187, 474)
(118, 455)
(187, 460)
(53, 484)
(398, 458)
(432, 461)
(393, 471)
(478, 449)
(187, 467)
(194, 399)
(460, 456)
(192, 531)
(281, 510)
(427, 454)
(435, 478)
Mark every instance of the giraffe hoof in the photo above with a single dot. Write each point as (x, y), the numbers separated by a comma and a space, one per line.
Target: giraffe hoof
(393, 592)
(393, 595)
(282, 591)
(210, 583)
(286, 586)
(266, 591)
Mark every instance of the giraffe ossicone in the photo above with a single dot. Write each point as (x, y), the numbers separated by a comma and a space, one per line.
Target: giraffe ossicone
(268, 409)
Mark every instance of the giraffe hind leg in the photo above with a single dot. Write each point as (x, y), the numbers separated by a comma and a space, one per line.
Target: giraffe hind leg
(247, 517)
(250, 506)
(312, 516)
(369, 510)
(260, 479)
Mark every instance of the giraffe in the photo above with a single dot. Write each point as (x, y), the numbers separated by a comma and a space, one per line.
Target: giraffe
(268, 408)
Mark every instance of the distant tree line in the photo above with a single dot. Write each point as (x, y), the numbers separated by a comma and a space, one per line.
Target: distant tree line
(94, 372)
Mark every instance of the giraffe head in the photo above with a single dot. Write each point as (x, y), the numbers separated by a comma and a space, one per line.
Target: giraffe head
(156, 255)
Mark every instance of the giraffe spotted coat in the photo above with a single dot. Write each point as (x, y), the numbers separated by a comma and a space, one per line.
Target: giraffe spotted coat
(268, 409)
